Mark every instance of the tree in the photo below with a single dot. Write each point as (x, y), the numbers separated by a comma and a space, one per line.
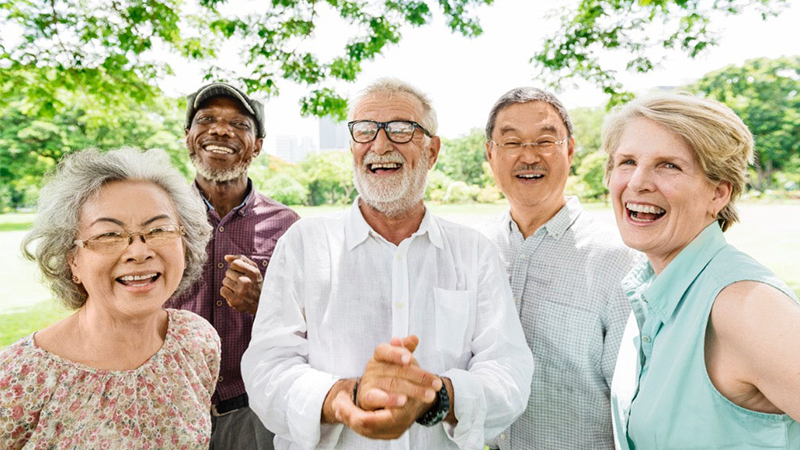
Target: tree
(765, 93)
(330, 177)
(115, 50)
(587, 123)
(462, 159)
(635, 29)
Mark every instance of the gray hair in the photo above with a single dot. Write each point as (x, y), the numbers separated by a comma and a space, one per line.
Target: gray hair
(526, 95)
(81, 175)
(394, 86)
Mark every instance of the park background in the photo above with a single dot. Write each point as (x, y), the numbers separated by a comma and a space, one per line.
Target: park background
(79, 74)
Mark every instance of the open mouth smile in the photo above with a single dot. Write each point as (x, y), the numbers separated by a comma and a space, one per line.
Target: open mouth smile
(218, 149)
(642, 213)
(386, 167)
(529, 176)
(138, 280)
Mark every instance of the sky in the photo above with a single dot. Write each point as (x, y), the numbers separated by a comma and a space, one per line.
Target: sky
(465, 76)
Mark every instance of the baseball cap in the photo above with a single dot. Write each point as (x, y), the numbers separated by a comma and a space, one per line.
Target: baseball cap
(254, 107)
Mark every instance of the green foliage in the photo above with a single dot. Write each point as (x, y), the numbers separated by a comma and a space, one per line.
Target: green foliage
(115, 49)
(31, 144)
(329, 177)
(587, 123)
(285, 189)
(437, 184)
(764, 93)
(463, 158)
(591, 172)
(634, 29)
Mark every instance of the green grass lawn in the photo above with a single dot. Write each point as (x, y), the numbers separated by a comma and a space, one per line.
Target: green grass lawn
(768, 232)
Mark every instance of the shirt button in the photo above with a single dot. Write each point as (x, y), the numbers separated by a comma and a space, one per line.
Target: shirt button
(646, 339)
(522, 256)
(221, 229)
(516, 300)
(399, 256)
(400, 305)
(220, 379)
(220, 265)
(264, 263)
(503, 436)
(219, 302)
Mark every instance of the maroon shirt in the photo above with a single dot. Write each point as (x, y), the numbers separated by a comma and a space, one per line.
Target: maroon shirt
(251, 229)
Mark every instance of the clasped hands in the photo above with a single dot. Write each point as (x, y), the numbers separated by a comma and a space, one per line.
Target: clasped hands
(392, 393)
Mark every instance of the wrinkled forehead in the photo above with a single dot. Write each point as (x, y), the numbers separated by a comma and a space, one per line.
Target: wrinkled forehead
(384, 106)
(530, 117)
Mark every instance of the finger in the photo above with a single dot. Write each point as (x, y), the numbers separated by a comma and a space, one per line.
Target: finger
(372, 424)
(372, 399)
(392, 354)
(229, 283)
(227, 294)
(402, 386)
(410, 342)
(242, 264)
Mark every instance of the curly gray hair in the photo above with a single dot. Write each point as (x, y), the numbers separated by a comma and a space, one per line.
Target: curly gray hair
(81, 175)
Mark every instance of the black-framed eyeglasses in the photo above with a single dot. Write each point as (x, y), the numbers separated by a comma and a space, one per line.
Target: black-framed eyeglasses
(115, 241)
(398, 131)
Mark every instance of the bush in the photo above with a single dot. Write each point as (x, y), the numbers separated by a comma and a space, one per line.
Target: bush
(460, 192)
(489, 194)
(285, 189)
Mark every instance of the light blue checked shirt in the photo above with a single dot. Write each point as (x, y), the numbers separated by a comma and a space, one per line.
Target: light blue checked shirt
(566, 284)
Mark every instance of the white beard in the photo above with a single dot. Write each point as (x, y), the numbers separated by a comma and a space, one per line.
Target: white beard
(216, 175)
(393, 195)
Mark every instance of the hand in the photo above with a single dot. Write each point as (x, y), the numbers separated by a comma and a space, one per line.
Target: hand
(393, 378)
(242, 284)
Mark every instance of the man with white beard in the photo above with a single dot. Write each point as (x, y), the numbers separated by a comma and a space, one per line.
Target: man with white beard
(384, 316)
(224, 132)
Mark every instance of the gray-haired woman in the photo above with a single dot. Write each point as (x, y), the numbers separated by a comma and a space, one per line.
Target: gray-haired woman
(116, 235)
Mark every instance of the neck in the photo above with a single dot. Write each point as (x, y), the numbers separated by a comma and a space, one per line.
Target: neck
(531, 218)
(117, 342)
(393, 228)
(223, 196)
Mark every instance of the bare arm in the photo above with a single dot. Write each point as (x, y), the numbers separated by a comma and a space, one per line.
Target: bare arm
(753, 348)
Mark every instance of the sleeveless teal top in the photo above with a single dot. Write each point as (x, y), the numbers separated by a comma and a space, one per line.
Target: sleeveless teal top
(662, 397)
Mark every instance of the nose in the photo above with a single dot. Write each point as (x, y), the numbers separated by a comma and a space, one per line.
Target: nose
(529, 153)
(221, 128)
(641, 180)
(138, 249)
(381, 144)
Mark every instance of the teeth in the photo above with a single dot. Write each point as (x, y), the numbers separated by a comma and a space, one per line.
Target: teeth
(529, 176)
(137, 277)
(647, 209)
(219, 149)
(377, 166)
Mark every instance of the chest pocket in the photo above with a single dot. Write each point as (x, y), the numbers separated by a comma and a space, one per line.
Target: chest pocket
(452, 319)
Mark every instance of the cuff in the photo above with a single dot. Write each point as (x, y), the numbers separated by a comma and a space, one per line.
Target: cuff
(304, 411)
(469, 403)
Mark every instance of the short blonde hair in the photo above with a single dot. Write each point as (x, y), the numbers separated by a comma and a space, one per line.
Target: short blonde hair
(721, 142)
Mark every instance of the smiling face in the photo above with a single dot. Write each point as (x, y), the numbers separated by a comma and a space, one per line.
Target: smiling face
(391, 177)
(533, 183)
(222, 140)
(136, 280)
(662, 198)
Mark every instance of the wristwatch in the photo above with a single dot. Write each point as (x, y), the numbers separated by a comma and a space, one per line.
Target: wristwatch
(438, 411)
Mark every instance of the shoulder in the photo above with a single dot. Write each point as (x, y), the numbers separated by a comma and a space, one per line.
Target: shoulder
(190, 329)
(495, 228)
(24, 372)
(461, 234)
(266, 206)
(597, 240)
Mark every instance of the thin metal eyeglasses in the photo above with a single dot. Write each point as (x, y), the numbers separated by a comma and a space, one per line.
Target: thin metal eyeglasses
(397, 131)
(115, 241)
(545, 146)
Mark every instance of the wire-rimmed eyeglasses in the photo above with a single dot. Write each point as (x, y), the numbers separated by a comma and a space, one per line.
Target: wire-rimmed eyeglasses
(544, 146)
(398, 131)
(115, 241)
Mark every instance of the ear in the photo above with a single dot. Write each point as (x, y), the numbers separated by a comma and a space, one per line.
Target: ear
(722, 195)
(257, 149)
(487, 145)
(73, 266)
(433, 150)
(570, 149)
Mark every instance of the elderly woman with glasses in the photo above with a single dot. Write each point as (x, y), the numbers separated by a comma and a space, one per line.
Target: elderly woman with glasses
(115, 236)
(711, 355)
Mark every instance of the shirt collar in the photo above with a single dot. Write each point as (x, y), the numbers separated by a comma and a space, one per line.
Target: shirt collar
(243, 208)
(664, 291)
(357, 230)
(558, 224)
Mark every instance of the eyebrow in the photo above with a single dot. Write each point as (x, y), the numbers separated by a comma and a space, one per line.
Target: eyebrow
(541, 129)
(120, 223)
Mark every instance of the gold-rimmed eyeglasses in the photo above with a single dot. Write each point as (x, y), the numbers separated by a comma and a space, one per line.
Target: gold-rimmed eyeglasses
(115, 241)
(544, 146)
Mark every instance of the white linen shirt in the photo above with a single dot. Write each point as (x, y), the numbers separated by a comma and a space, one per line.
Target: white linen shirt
(335, 289)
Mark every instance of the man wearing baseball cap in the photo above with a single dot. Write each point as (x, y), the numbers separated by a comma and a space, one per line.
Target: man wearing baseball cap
(224, 133)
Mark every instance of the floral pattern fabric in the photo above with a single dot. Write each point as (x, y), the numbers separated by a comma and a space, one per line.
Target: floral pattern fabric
(47, 402)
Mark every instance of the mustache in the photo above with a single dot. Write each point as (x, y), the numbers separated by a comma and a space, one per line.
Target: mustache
(527, 167)
(391, 157)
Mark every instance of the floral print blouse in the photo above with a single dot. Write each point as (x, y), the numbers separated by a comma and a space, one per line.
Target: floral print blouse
(47, 402)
